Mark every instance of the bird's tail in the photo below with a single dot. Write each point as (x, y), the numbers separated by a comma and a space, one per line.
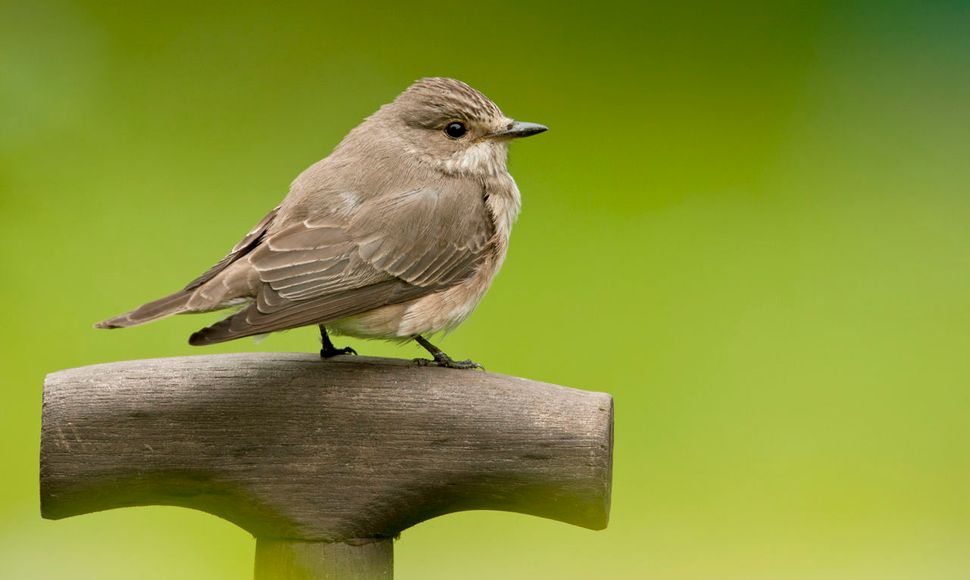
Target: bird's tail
(172, 304)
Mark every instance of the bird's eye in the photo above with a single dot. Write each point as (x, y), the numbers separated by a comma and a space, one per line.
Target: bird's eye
(455, 130)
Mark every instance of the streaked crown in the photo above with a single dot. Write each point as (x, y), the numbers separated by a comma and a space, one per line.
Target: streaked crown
(429, 100)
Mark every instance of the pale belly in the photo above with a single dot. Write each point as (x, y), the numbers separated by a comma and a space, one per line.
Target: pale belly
(441, 311)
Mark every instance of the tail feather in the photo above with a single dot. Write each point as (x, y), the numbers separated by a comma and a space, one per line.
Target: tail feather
(172, 304)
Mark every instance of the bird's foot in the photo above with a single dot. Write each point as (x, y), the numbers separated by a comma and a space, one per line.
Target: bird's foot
(446, 361)
(329, 350)
(333, 351)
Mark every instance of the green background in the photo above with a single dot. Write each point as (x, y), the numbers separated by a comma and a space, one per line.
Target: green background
(749, 222)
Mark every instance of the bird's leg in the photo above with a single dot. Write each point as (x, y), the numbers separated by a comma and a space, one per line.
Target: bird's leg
(329, 349)
(441, 359)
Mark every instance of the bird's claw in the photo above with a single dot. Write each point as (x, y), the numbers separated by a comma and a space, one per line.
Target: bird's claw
(448, 363)
(332, 352)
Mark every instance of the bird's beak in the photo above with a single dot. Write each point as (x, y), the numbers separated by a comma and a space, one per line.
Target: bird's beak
(517, 129)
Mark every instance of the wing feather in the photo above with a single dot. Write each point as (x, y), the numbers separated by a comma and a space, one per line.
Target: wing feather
(245, 245)
(394, 248)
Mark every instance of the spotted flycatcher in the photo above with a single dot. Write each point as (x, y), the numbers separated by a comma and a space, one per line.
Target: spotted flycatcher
(396, 235)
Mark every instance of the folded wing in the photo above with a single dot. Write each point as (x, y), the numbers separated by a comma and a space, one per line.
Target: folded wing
(393, 248)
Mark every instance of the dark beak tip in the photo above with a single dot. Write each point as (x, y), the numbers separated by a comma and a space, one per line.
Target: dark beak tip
(523, 129)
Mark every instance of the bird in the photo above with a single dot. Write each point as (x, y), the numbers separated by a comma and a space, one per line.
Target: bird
(396, 235)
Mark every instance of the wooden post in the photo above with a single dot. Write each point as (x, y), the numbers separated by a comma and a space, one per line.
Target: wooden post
(301, 560)
(324, 461)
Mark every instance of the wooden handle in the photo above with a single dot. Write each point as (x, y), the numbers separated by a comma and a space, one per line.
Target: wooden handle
(300, 560)
(289, 446)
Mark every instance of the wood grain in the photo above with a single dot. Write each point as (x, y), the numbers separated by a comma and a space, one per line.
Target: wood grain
(290, 446)
(300, 560)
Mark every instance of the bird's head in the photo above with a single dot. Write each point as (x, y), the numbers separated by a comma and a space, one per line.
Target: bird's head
(450, 125)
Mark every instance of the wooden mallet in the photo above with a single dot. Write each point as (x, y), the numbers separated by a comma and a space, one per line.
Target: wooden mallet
(324, 461)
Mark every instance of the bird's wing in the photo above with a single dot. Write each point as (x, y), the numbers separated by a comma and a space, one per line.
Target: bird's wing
(180, 301)
(245, 245)
(393, 248)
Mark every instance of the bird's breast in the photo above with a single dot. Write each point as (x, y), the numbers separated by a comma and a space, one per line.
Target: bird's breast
(445, 309)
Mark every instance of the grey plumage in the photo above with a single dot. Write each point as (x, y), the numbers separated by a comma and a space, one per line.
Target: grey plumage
(397, 233)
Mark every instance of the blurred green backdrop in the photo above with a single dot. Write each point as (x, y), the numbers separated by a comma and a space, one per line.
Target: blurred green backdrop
(749, 222)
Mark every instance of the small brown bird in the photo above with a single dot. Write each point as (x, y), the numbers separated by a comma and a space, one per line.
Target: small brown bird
(396, 235)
